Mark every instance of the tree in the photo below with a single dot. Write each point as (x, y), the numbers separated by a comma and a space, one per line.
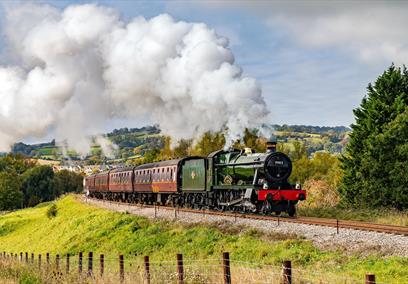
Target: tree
(375, 161)
(11, 197)
(166, 153)
(38, 185)
(67, 181)
(151, 155)
(16, 163)
(183, 148)
(209, 143)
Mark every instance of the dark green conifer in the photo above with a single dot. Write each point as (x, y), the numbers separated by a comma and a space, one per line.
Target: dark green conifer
(375, 164)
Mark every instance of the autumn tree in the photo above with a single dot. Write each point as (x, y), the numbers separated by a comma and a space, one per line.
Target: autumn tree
(209, 143)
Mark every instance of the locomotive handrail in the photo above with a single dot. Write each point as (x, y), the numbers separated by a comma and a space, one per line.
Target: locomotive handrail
(240, 164)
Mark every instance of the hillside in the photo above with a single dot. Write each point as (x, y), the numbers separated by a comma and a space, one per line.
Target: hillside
(127, 140)
(80, 227)
(132, 143)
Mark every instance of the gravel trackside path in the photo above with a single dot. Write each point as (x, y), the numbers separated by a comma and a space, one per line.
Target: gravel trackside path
(323, 237)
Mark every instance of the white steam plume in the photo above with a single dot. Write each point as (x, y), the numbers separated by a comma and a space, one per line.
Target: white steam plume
(74, 70)
(108, 148)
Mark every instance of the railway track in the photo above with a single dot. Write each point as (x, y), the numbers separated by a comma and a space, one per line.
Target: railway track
(339, 224)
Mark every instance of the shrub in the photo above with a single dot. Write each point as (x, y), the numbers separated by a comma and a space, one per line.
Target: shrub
(52, 211)
(320, 195)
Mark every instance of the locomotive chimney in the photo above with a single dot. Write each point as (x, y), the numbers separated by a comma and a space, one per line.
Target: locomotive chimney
(270, 146)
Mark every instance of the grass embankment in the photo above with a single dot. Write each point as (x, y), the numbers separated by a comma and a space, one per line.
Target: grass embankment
(79, 227)
(379, 216)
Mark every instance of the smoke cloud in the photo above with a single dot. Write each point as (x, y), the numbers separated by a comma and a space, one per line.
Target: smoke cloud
(74, 70)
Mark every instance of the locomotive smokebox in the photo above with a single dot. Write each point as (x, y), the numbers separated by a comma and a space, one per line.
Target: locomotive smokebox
(270, 147)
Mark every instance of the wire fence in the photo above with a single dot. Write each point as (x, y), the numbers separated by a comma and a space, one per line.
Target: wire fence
(100, 268)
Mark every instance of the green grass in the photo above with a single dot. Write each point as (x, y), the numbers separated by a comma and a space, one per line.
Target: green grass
(380, 216)
(79, 227)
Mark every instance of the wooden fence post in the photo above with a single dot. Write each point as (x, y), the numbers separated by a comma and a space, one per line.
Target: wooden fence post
(57, 261)
(32, 258)
(370, 279)
(102, 264)
(39, 261)
(90, 263)
(287, 272)
(21, 256)
(147, 269)
(121, 269)
(67, 264)
(226, 267)
(48, 258)
(26, 257)
(180, 269)
(80, 263)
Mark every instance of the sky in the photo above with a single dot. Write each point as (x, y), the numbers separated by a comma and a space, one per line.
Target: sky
(313, 59)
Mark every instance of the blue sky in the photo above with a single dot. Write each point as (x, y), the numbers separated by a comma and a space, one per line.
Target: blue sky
(314, 60)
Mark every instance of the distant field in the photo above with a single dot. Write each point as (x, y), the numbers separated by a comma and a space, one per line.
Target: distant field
(80, 227)
(47, 151)
(297, 134)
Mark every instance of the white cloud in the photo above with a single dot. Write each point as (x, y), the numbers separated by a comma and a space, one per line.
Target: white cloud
(372, 31)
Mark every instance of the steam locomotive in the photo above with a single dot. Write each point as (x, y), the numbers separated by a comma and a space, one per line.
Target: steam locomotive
(230, 180)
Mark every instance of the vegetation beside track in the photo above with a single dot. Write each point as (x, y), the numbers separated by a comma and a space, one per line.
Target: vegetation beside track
(79, 227)
(378, 216)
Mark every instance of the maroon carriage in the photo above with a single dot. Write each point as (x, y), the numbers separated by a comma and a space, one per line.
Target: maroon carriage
(160, 177)
(102, 182)
(121, 180)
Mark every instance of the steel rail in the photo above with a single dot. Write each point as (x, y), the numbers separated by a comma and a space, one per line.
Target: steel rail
(335, 223)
